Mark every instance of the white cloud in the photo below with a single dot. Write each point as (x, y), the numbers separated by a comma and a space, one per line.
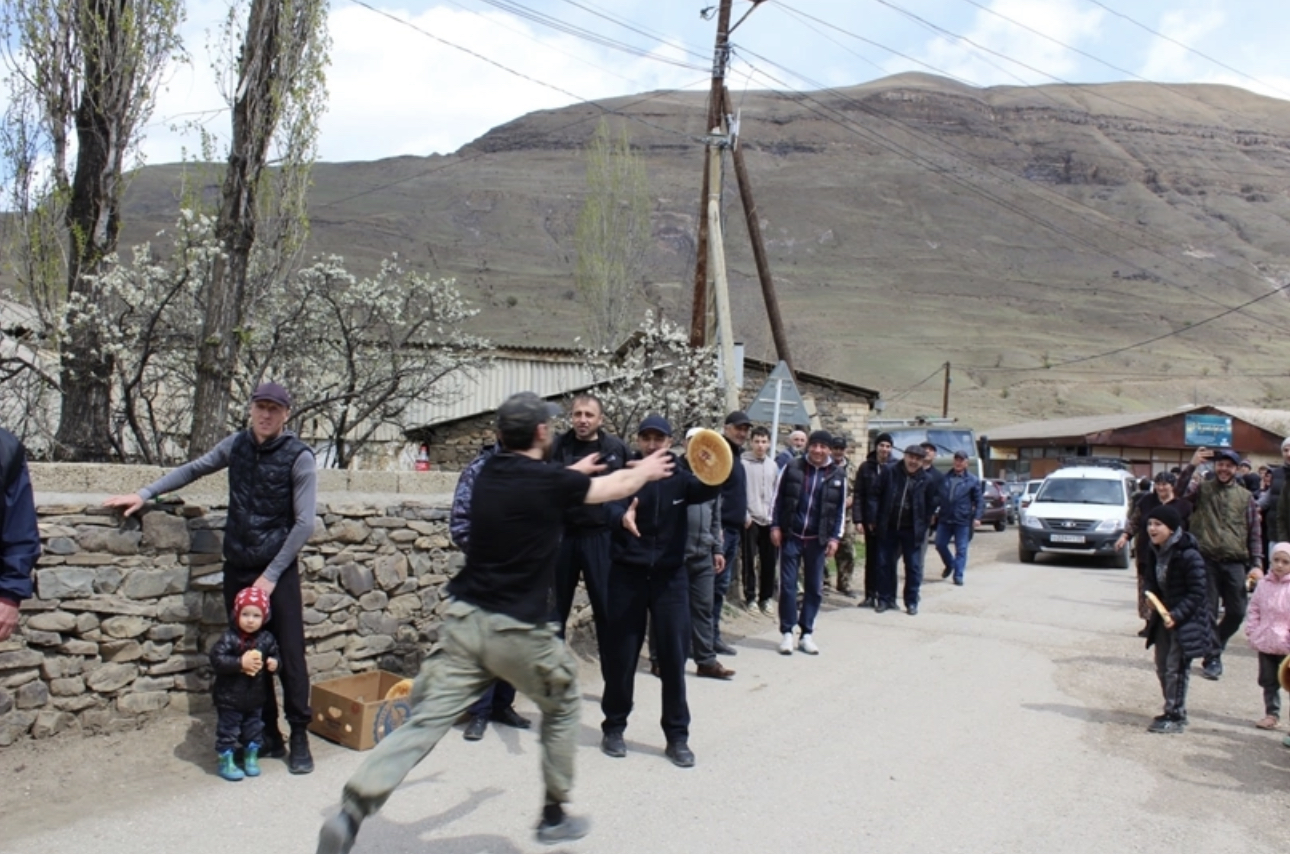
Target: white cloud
(1034, 59)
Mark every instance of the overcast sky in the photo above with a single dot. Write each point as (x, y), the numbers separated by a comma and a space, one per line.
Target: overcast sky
(394, 90)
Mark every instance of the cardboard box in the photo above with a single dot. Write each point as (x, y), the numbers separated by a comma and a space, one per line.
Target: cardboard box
(353, 711)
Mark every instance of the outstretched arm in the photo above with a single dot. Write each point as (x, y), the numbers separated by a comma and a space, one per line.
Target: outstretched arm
(629, 481)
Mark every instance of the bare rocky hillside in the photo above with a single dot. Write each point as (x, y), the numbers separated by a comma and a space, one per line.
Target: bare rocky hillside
(910, 221)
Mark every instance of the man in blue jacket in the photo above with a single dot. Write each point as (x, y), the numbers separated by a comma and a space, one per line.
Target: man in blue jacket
(648, 578)
(19, 535)
(902, 506)
(959, 514)
(810, 508)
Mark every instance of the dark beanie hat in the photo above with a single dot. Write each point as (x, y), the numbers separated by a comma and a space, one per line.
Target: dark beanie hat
(819, 437)
(886, 437)
(1166, 515)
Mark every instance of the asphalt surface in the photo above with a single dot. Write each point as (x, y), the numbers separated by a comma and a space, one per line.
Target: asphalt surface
(1009, 715)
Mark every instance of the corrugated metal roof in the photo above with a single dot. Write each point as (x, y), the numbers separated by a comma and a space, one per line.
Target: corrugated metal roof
(1274, 420)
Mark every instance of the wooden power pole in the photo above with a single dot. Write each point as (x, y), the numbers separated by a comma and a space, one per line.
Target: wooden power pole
(702, 301)
(945, 396)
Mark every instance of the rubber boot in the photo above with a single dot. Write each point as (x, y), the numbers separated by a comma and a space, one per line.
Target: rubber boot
(228, 768)
(299, 759)
(251, 760)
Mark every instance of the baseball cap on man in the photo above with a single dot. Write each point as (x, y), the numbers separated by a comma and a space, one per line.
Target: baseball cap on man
(961, 455)
(738, 418)
(838, 443)
(520, 414)
(655, 422)
(1229, 455)
(273, 393)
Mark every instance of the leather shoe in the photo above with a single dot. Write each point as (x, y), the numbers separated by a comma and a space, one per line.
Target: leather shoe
(720, 647)
(680, 754)
(476, 728)
(868, 602)
(850, 594)
(879, 606)
(715, 670)
(654, 671)
(947, 572)
(612, 744)
(510, 717)
(912, 610)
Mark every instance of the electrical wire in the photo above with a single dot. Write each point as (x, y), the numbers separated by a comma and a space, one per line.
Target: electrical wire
(940, 369)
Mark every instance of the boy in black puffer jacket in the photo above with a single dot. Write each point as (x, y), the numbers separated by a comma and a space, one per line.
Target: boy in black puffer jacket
(1175, 573)
(243, 658)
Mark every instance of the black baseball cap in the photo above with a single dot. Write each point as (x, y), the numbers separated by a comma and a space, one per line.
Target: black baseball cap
(738, 418)
(273, 393)
(1229, 455)
(656, 423)
(838, 443)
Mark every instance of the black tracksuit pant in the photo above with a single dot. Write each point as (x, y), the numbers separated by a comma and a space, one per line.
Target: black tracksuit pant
(287, 624)
(586, 555)
(663, 595)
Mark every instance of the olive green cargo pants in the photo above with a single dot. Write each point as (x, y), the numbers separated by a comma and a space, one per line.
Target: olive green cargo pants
(475, 647)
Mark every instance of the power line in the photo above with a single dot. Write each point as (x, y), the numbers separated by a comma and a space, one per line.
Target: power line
(936, 373)
(1187, 48)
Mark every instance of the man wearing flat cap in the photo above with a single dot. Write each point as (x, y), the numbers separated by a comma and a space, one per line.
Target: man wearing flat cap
(960, 505)
(1225, 523)
(902, 506)
(272, 487)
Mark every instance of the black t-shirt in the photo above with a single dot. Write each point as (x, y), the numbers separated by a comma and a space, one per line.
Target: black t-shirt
(516, 514)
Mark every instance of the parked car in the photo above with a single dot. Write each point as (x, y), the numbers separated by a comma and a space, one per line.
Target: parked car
(996, 506)
(1027, 495)
(1079, 510)
(1012, 492)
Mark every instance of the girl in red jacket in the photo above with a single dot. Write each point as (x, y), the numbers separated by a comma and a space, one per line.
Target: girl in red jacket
(1267, 625)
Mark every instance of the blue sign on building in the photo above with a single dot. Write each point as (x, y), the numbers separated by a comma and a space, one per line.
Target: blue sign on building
(1212, 431)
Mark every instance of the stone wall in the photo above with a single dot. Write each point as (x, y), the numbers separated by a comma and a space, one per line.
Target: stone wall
(125, 611)
(452, 446)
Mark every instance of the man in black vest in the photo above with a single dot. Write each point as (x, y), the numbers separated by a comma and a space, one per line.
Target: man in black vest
(19, 534)
(272, 491)
(807, 525)
(584, 551)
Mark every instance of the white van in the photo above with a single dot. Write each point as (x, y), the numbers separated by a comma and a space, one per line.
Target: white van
(1080, 510)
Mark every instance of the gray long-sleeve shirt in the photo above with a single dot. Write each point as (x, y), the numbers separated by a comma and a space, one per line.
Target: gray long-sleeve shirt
(304, 486)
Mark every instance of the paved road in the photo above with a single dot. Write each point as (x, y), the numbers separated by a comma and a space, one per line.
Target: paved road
(1008, 716)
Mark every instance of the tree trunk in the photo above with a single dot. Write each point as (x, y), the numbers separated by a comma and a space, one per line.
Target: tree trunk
(93, 222)
(255, 114)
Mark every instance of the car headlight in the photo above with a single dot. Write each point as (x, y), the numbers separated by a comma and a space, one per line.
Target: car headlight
(1109, 525)
(1028, 521)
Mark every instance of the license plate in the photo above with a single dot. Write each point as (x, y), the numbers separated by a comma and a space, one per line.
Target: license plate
(1068, 538)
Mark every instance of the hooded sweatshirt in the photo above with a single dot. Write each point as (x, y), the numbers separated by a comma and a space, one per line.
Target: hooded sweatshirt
(1267, 621)
(761, 476)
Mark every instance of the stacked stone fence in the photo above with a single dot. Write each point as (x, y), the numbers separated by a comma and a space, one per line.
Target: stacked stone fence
(125, 610)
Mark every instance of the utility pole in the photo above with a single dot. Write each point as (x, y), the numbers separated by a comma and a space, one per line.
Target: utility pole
(725, 327)
(945, 397)
(758, 244)
(702, 302)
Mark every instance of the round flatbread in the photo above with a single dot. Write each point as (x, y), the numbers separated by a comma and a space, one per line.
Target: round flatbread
(1283, 673)
(1159, 606)
(710, 457)
(402, 688)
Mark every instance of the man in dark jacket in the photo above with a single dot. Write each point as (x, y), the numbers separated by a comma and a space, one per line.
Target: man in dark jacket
(866, 482)
(902, 506)
(810, 507)
(648, 579)
(1278, 513)
(734, 518)
(1225, 523)
(584, 551)
(1176, 576)
(272, 490)
(959, 508)
(1135, 528)
(19, 534)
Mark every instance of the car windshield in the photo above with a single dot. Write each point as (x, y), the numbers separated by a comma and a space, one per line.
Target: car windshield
(1080, 491)
(946, 441)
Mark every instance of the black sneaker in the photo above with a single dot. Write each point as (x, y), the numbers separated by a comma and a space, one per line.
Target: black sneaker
(475, 728)
(867, 602)
(1167, 725)
(568, 829)
(1212, 668)
(612, 744)
(680, 754)
(299, 759)
(510, 717)
(947, 572)
(879, 606)
(337, 834)
(912, 610)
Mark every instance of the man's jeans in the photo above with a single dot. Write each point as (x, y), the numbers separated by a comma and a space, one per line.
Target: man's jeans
(475, 648)
(730, 538)
(809, 554)
(961, 534)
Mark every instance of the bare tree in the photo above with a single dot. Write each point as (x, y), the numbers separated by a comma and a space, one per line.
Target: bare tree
(277, 99)
(612, 237)
(82, 79)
